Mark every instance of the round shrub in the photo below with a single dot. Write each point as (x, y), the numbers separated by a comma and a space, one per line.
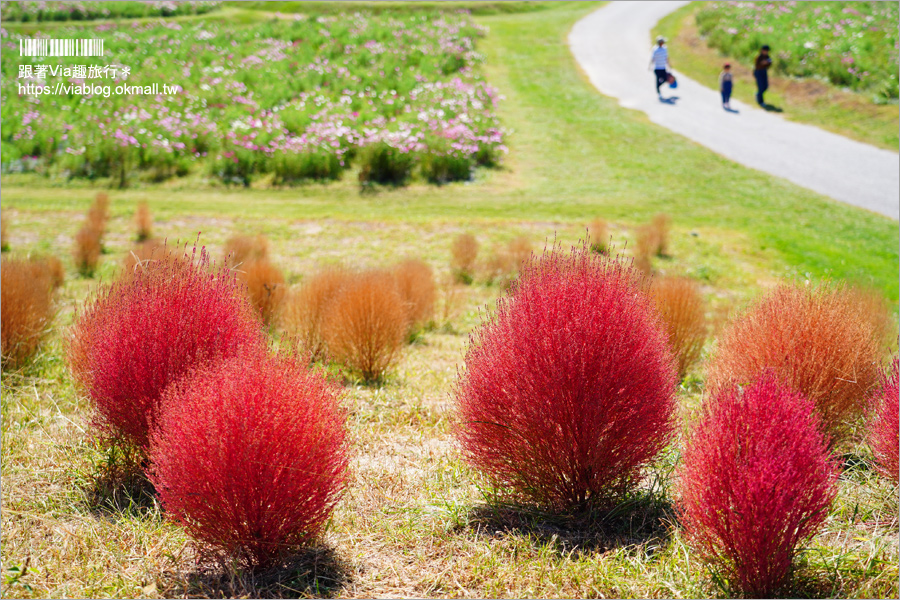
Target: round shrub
(683, 313)
(464, 252)
(141, 333)
(265, 286)
(365, 325)
(250, 455)
(884, 432)
(568, 388)
(383, 163)
(415, 282)
(305, 308)
(26, 309)
(757, 481)
(819, 341)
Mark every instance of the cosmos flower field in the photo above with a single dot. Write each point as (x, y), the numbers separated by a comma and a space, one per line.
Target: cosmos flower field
(850, 44)
(292, 98)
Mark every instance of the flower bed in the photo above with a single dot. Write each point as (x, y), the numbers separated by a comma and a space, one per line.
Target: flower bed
(851, 44)
(294, 98)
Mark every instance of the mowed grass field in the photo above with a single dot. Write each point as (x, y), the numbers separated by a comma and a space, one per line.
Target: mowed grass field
(414, 521)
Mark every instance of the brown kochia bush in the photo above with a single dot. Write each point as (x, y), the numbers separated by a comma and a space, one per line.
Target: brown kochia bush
(364, 327)
(652, 240)
(89, 239)
(305, 308)
(27, 310)
(142, 253)
(415, 282)
(816, 340)
(243, 248)
(873, 305)
(98, 213)
(144, 222)
(49, 270)
(598, 235)
(4, 238)
(506, 261)
(265, 287)
(88, 245)
(464, 252)
(683, 313)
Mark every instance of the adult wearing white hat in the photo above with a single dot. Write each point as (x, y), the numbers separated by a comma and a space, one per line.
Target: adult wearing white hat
(659, 60)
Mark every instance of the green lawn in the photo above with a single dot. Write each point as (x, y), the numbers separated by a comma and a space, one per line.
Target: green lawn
(811, 101)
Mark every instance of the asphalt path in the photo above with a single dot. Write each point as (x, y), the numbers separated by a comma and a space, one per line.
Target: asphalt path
(613, 44)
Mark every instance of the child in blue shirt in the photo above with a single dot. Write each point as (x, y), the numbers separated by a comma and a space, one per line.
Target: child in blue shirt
(725, 85)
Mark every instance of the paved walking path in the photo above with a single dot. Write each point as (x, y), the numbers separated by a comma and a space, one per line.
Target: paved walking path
(613, 47)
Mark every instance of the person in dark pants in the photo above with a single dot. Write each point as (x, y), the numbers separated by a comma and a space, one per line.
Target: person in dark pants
(761, 74)
(659, 60)
(725, 85)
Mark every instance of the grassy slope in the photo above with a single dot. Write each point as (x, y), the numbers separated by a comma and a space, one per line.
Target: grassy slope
(807, 101)
(413, 524)
(575, 154)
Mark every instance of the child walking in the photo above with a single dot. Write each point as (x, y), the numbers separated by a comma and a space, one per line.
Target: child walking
(725, 84)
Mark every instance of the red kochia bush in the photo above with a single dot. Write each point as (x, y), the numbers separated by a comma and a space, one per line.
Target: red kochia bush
(884, 433)
(250, 455)
(568, 389)
(757, 481)
(139, 334)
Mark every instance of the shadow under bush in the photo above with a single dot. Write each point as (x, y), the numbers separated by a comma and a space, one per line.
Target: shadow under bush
(314, 572)
(117, 484)
(637, 520)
